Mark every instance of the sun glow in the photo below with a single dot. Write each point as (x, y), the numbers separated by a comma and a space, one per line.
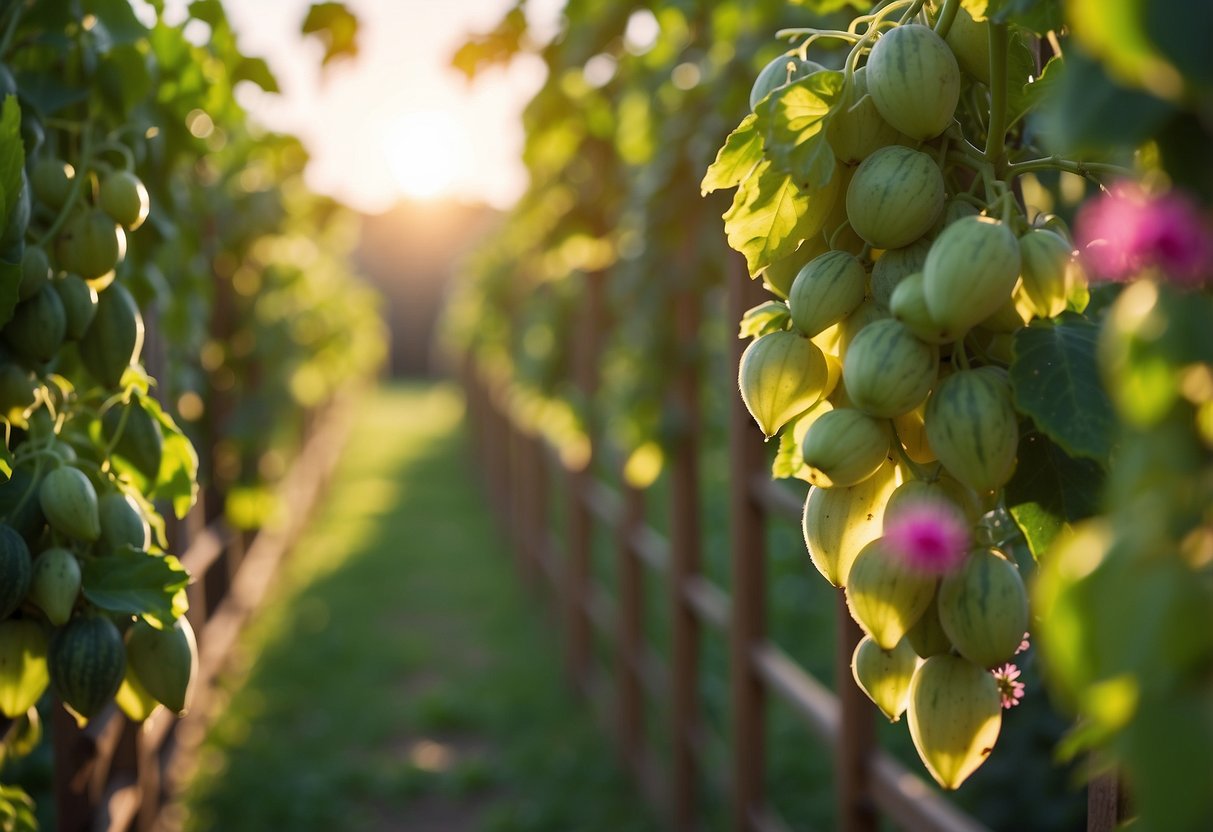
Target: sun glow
(427, 152)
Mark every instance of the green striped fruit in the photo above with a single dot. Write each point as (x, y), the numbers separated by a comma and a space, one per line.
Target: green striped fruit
(56, 584)
(826, 290)
(909, 305)
(91, 245)
(16, 570)
(844, 447)
(943, 488)
(51, 181)
(857, 130)
(927, 637)
(87, 662)
(781, 376)
(122, 524)
(970, 271)
(895, 196)
(23, 673)
(780, 72)
(115, 337)
(894, 266)
(35, 271)
(38, 326)
(887, 370)
(884, 675)
(69, 502)
(838, 522)
(885, 595)
(124, 198)
(866, 313)
(1046, 259)
(915, 81)
(955, 715)
(969, 40)
(953, 210)
(79, 304)
(983, 607)
(912, 433)
(972, 426)
(142, 441)
(164, 662)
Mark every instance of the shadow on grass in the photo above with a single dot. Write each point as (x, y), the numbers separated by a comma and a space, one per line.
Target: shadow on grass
(398, 677)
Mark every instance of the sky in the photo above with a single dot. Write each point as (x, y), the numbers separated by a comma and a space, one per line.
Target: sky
(396, 121)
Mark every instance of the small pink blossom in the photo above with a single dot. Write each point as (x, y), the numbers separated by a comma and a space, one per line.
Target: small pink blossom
(931, 535)
(1126, 231)
(1023, 645)
(1009, 688)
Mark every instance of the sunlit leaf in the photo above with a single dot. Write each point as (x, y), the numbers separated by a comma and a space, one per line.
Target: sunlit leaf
(136, 583)
(1050, 491)
(771, 316)
(337, 26)
(793, 120)
(737, 159)
(770, 216)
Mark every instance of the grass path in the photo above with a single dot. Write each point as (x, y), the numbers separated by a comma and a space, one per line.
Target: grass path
(398, 677)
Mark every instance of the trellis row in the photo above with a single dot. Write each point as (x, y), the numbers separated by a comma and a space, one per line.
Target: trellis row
(521, 471)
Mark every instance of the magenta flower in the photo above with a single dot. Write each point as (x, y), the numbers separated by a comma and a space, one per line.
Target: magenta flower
(930, 535)
(1126, 231)
(1009, 688)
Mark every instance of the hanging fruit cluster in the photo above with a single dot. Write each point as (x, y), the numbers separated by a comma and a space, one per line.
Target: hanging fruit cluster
(877, 202)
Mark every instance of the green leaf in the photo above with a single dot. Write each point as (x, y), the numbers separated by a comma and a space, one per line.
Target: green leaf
(736, 160)
(771, 316)
(209, 12)
(12, 157)
(118, 19)
(178, 478)
(769, 217)
(124, 79)
(1055, 380)
(257, 71)
(336, 26)
(1022, 97)
(1037, 16)
(793, 121)
(134, 582)
(1050, 490)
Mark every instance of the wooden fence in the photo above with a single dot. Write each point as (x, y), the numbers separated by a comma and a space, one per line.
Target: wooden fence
(521, 472)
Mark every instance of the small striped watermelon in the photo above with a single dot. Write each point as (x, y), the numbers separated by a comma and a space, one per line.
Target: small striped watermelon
(844, 447)
(895, 197)
(87, 662)
(826, 290)
(955, 716)
(781, 376)
(887, 371)
(16, 570)
(914, 80)
(885, 595)
(973, 429)
(970, 271)
(983, 607)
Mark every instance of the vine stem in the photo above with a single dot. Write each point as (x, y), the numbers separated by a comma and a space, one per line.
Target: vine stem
(944, 24)
(1086, 169)
(998, 94)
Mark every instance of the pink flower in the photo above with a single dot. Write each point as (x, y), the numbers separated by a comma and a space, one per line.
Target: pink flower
(931, 535)
(1023, 645)
(1009, 688)
(1126, 231)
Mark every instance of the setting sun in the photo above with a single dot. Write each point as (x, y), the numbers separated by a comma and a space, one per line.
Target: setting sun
(425, 151)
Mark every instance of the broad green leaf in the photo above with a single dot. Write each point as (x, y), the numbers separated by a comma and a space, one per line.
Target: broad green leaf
(741, 153)
(133, 582)
(1050, 490)
(1021, 65)
(789, 459)
(337, 26)
(257, 71)
(118, 19)
(793, 121)
(1056, 382)
(771, 316)
(178, 479)
(770, 216)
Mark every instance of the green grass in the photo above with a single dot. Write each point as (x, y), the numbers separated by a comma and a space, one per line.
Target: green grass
(398, 677)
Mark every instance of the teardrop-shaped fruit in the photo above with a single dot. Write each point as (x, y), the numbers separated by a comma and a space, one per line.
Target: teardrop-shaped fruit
(115, 337)
(91, 244)
(983, 607)
(885, 595)
(16, 570)
(972, 426)
(969, 40)
(164, 661)
(927, 637)
(887, 370)
(915, 80)
(781, 376)
(894, 266)
(945, 488)
(844, 447)
(895, 196)
(123, 197)
(884, 675)
(56, 584)
(79, 303)
(87, 662)
(37, 328)
(909, 305)
(23, 673)
(838, 522)
(133, 699)
(826, 290)
(970, 271)
(955, 715)
(69, 502)
(857, 129)
(867, 313)
(1045, 259)
(35, 271)
(122, 524)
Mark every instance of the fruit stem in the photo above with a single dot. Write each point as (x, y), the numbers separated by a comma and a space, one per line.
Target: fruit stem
(944, 24)
(86, 152)
(998, 95)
